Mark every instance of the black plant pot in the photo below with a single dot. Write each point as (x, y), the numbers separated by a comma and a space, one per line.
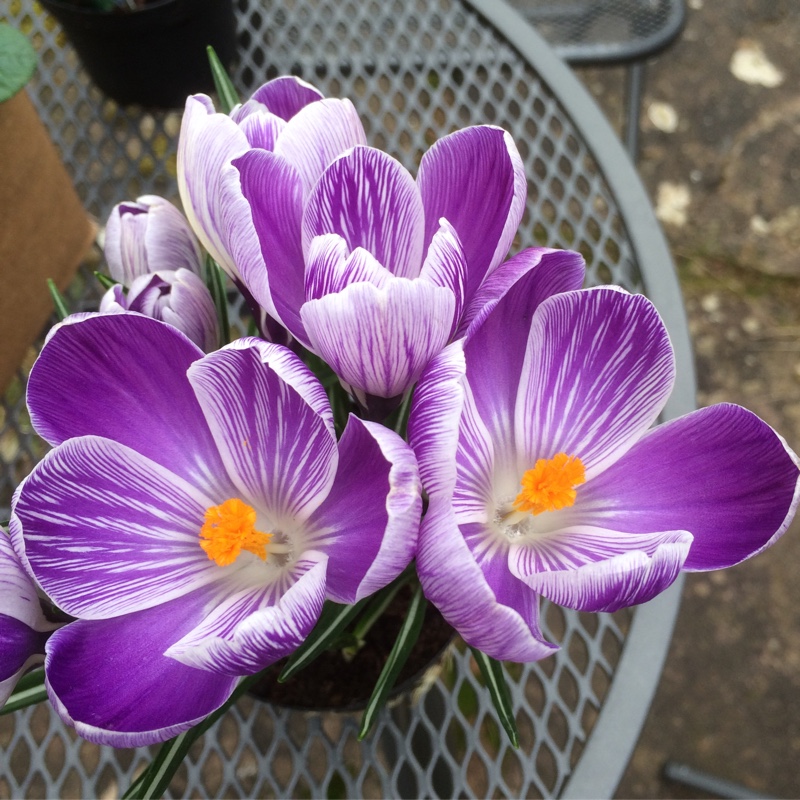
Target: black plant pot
(155, 56)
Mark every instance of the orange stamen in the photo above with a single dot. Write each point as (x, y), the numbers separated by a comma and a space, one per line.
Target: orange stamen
(228, 529)
(550, 485)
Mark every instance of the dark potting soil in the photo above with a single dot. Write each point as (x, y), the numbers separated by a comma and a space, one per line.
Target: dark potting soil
(331, 682)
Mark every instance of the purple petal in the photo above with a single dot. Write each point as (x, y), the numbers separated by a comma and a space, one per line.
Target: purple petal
(498, 336)
(123, 376)
(720, 473)
(378, 341)
(369, 522)
(371, 201)
(331, 269)
(545, 272)
(317, 135)
(285, 96)
(263, 409)
(274, 192)
(18, 598)
(261, 129)
(191, 310)
(111, 680)
(250, 630)
(591, 569)
(474, 178)
(598, 370)
(455, 584)
(107, 531)
(18, 643)
(209, 187)
(434, 420)
(446, 265)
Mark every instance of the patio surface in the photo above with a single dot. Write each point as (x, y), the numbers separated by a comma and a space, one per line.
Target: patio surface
(721, 160)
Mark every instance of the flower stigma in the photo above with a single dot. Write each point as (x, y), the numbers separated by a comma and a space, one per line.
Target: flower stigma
(549, 485)
(230, 528)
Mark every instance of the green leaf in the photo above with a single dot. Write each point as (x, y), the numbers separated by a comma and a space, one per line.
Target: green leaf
(495, 679)
(17, 61)
(58, 300)
(215, 280)
(334, 618)
(228, 96)
(29, 691)
(106, 281)
(406, 639)
(155, 780)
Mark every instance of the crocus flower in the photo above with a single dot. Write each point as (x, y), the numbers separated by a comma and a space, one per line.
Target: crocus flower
(149, 235)
(194, 515)
(534, 443)
(23, 627)
(375, 271)
(178, 297)
(286, 116)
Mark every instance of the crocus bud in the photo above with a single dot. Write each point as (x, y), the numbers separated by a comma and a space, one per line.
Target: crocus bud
(23, 627)
(149, 235)
(178, 297)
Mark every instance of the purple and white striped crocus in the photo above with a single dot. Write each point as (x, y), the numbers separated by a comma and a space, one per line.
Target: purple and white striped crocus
(178, 297)
(376, 272)
(287, 117)
(149, 235)
(194, 515)
(545, 479)
(23, 627)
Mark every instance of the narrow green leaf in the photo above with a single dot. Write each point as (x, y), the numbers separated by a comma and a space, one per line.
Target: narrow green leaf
(228, 96)
(58, 300)
(215, 280)
(106, 281)
(334, 618)
(495, 678)
(406, 639)
(29, 690)
(155, 780)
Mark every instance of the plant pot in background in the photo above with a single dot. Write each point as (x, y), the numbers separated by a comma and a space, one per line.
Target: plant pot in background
(45, 231)
(154, 56)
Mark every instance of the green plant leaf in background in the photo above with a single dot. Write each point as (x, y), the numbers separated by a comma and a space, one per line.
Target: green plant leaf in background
(17, 61)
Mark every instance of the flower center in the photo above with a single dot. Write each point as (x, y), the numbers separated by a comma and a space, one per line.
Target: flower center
(230, 528)
(550, 485)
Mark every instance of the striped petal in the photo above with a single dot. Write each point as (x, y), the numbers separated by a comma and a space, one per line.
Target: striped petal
(106, 531)
(446, 265)
(475, 179)
(433, 423)
(274, 192)
(123, 377)
(371, 201)
(331, 268)
(209, 187)
(590, 569)
(378, 341)
(369, 522)
(271, 424)
(721, 473)
(251, 628)
(286, 96)
(455, 584)
(18, 598)
(501, 316)
(529, 277)
(318, 134)
(598, 369)
(111, 681)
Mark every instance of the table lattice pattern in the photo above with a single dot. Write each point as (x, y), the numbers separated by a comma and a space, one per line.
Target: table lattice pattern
(415, 71)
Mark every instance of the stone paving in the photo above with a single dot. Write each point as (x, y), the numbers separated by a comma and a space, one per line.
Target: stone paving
(721, 159)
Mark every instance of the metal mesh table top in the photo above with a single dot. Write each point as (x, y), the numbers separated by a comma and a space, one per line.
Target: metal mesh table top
(598, 31)
(415, 71)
